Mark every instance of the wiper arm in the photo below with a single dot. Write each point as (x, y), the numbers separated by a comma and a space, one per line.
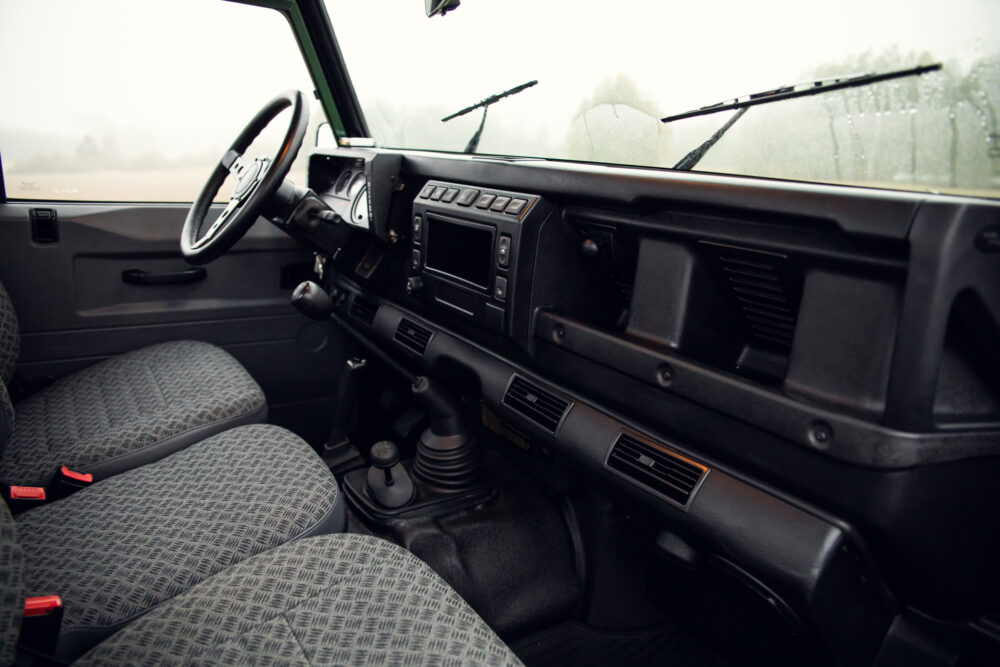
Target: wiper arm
(777, 95)
(485, 105)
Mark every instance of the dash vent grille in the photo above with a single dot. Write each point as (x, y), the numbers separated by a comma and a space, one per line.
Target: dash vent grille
(533, 402)
(766, 289)
(412, 336)
(363, 310)
(656, 467)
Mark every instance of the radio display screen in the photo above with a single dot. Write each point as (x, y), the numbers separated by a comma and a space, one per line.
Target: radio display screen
(461, 250)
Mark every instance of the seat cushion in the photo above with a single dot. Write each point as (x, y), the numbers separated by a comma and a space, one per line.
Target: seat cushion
(129, 410)
(331, 600)
(11, 587)
(116, 549)
(10, 337)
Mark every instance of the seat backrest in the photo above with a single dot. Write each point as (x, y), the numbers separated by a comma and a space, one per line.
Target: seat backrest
(11, 587)
(6, 420)
(10, 337)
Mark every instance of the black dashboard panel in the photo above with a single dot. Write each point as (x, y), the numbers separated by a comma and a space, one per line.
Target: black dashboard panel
(826, 346)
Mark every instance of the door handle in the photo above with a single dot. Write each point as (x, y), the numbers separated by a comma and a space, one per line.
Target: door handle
(140, 277)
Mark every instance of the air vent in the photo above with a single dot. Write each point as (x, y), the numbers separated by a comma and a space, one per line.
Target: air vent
(363, 310)
(766, 289)
(656, 467)
(535, 403)
(412, 336)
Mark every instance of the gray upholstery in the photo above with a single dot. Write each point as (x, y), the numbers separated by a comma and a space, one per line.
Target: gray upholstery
(10, 337)
(6, 417)
(11, 587)
(129, 410)
(120, 547)
(331, 600)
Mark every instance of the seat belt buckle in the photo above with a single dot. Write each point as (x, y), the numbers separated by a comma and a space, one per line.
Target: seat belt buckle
(41, 622)
(21, 498)
(80, 479)
(69, 481)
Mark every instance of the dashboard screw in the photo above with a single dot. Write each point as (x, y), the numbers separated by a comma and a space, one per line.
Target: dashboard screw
(664, 375)
(558, 333)
(820, 433)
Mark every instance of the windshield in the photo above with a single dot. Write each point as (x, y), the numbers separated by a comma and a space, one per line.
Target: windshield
(608, 72)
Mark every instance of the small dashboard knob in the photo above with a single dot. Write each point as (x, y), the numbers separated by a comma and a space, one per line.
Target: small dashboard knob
(414, 285)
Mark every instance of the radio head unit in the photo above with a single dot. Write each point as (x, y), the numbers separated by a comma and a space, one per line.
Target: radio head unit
(464, 254)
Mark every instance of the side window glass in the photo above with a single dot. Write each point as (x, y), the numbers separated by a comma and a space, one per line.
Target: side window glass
(136, 101)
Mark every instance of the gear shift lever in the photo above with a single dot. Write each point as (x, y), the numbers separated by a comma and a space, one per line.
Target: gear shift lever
(388, 481)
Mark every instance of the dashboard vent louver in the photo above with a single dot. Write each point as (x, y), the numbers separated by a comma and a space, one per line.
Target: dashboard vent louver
(412, 336)
(656, 467)
(535, 403)
(363, 310)
(767, 291)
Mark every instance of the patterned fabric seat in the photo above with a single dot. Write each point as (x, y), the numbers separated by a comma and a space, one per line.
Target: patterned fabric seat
(330, 600)
(123, 412)
(117, 549)
(323, 600)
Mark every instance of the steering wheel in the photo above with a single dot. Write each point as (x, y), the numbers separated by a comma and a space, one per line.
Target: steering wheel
(256, 182)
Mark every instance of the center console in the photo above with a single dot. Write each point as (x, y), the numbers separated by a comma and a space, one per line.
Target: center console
(466, 250)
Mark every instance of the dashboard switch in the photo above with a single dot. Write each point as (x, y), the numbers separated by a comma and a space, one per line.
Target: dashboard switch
(415, 259)
(500, 204)
(485, 201)
(416, 229)
(438, 193)
(414, 285)
(449, 195)
(503, 252)
(467, 197)
(427, 191)
(500, 288)
(516, 206)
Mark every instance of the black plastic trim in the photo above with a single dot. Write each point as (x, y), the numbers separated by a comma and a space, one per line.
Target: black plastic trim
(852, 440)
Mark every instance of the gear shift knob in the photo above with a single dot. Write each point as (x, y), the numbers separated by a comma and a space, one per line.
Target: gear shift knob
(384, 455)
(312, 301)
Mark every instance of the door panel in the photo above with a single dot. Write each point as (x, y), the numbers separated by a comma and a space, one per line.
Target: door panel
(75, 308)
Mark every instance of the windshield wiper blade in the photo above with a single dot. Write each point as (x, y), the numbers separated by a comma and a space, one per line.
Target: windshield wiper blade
(742, 104)
(801, 90)
(485, 105)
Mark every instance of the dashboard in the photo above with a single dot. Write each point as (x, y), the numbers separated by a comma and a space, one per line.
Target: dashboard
(796, 380)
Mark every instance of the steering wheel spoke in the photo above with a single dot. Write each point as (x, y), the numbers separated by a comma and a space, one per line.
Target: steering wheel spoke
(234, 162)
(220, 222)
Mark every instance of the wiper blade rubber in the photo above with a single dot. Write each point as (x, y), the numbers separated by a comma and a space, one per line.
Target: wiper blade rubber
(492, 99)
(485, 105)
(802, 90)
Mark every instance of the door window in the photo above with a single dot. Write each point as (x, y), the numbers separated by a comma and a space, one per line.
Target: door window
(126, 100)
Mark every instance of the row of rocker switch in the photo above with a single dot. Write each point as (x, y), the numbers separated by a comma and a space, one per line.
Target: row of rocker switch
(468, 196)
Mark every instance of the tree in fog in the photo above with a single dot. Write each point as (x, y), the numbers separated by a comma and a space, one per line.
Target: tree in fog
(618, 124)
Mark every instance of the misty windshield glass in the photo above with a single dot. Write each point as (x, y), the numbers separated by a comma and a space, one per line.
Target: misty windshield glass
(608, 72)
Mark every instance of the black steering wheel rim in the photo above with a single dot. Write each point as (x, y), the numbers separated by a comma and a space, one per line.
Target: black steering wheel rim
(257, 182)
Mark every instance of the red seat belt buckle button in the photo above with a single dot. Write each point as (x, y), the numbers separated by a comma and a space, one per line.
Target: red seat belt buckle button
(27, 493)
(84, 477)
(41, 606)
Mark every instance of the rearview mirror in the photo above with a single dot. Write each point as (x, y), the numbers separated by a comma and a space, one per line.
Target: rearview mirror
(440, 7)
